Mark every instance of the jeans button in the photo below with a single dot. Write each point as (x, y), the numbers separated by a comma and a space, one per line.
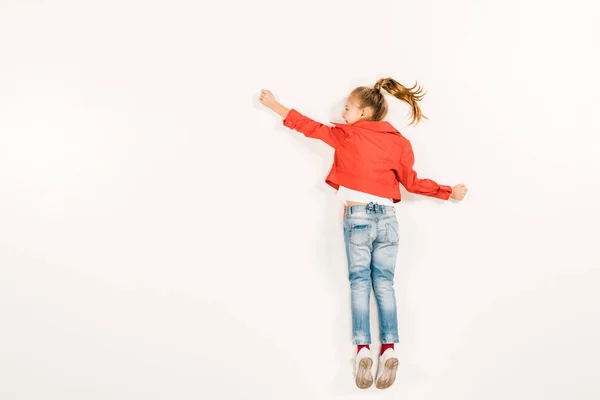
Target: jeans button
(376, 219)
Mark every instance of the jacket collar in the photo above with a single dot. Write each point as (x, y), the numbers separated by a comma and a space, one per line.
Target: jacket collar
(378, 126)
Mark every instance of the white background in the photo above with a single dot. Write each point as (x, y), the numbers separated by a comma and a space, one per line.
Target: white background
(164, 236)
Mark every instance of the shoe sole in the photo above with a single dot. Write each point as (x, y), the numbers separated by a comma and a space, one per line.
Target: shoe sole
(388, 376)
(364, 377)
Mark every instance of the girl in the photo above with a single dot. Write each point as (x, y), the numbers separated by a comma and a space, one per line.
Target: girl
(371, 158)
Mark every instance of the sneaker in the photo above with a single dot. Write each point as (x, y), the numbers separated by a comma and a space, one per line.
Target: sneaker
(386, 371)
(364, 362)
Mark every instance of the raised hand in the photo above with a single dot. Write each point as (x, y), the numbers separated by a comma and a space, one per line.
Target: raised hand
(267, 99)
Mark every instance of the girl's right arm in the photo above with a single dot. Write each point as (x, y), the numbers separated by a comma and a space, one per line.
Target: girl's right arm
(427, 187)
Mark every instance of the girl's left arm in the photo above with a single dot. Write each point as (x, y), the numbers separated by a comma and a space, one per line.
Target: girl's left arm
(281, 110)
(333, 136)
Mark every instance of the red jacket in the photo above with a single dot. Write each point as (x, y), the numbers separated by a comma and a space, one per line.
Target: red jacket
(370, 156)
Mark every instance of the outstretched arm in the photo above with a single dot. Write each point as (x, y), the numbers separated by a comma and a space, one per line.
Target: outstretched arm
(333, 136)
(427, 187)
(269, 101)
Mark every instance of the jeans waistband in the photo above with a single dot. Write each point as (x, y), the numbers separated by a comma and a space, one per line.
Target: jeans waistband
(371, 208)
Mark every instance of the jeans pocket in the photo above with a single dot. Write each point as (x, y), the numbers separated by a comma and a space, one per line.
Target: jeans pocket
(392, 233)
(359, 234)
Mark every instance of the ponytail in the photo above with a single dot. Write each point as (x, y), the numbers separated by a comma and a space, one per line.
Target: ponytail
(372, 99)
(410, 95)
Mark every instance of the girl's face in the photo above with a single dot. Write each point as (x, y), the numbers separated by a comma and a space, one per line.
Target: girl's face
(352, 112)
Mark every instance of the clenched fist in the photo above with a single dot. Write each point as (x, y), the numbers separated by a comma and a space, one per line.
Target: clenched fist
(267, 99)
(459, 192)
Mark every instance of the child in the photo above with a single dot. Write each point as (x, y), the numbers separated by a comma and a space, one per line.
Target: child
(371, 158)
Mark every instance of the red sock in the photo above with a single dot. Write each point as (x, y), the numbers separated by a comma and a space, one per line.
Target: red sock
(386, 346)
(360, 346)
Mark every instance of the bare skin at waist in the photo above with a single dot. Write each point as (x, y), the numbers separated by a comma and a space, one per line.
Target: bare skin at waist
(354, 203)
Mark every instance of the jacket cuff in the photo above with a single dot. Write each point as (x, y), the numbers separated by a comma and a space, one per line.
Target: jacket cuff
(291, 118)
(444, 192)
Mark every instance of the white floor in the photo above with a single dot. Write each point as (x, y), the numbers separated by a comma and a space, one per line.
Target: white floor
(164, 236)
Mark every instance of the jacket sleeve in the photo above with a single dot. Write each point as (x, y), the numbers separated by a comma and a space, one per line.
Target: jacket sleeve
(408, 177)
(333, 136)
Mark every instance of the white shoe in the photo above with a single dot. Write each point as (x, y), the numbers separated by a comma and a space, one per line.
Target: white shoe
(386, 371)
(362, 370)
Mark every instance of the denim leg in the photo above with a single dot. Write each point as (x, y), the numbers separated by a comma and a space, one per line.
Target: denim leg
(358, 251)
(385, 251)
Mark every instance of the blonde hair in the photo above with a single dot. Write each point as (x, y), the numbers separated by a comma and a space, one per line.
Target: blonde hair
(372, 99)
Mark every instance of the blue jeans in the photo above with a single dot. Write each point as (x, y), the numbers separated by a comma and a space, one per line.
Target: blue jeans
(371, 237)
